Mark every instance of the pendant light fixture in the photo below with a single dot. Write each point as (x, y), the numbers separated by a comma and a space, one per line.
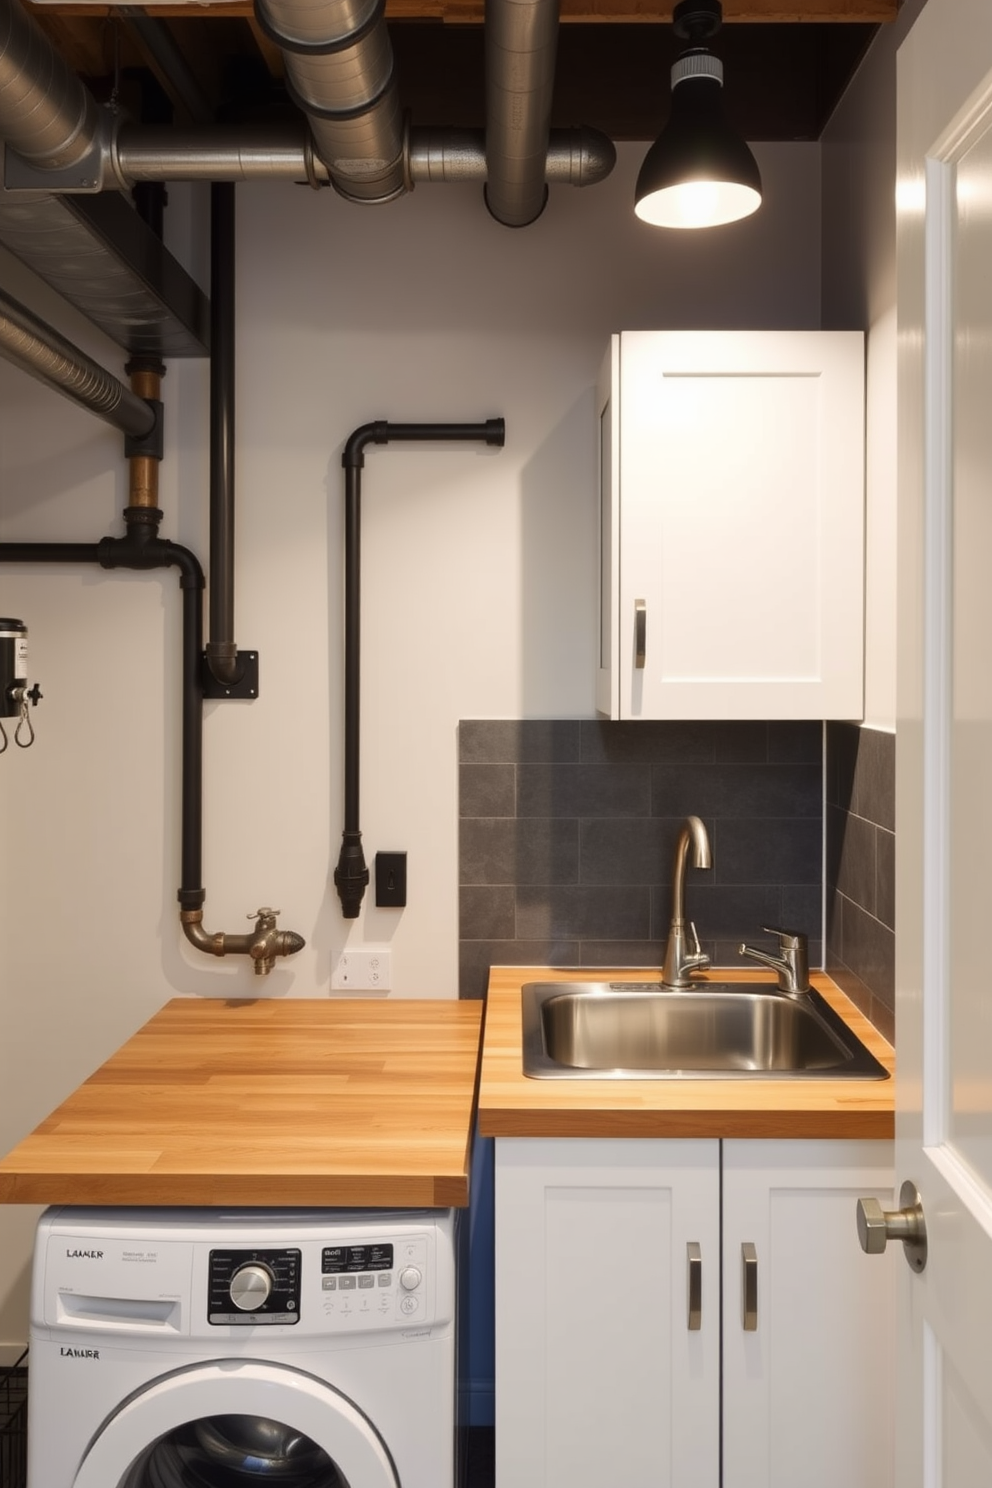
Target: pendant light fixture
(699, 172)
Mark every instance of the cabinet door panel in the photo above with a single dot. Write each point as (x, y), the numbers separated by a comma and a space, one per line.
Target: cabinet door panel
(598, 1377)
(808, 1394)
(733, 513)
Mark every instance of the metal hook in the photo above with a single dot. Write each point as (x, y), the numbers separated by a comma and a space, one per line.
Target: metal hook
(3, 736)
(22, 720)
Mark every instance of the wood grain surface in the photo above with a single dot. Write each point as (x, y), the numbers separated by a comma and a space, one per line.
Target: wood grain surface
(281, 1103)
(512, 1105)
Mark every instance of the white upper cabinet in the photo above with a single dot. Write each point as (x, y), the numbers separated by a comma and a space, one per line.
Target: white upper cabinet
(732, 525)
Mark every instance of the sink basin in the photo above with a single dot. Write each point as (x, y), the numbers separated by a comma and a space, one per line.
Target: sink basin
(718, 1030)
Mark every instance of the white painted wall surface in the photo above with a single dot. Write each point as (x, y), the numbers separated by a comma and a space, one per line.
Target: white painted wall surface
(859, 293)
(479, 589)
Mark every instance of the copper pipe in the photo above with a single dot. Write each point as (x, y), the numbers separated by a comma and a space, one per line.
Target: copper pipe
(146, 382)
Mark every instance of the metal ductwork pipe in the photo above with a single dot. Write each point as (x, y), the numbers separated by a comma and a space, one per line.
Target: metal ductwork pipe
(339, 71)
(521, 42)
(46, 114)
(45, 355)
(575, 157)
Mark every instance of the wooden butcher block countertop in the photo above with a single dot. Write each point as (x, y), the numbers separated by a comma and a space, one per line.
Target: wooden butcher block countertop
(513, 1105)
(280, 1103)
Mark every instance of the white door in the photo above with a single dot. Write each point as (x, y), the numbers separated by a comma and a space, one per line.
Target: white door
(944, 759)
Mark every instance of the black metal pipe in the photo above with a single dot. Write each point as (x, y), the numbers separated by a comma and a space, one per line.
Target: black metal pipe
(351, 874)
(222, 650)
(141, 549)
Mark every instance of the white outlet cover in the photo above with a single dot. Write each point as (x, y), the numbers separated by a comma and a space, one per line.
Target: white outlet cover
(365, 969)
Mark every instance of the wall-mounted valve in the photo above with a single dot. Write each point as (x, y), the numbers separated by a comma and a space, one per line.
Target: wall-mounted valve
(14, 691)
(263, 945)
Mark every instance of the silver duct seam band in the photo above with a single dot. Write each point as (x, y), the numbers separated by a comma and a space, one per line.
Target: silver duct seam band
(320, 48)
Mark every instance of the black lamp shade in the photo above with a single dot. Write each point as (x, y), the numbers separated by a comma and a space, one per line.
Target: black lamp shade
(699, 172)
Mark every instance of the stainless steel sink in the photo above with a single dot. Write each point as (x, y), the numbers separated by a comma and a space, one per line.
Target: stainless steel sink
(718, 1030)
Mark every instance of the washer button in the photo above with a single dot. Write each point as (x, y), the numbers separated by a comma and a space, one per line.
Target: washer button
(410, 1278)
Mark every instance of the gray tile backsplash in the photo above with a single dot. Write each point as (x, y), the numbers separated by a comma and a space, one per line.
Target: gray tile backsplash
(860, 825)
(568, 829)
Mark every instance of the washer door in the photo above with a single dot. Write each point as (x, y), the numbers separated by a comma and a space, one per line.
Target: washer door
(232, 1424)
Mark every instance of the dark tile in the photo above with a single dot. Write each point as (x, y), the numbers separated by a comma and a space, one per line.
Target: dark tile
(855, 862)
(559, 913)
(487, 790)
(834, 928)
(487, 913)
(885, 877)
(510, 851)
(628, 851)
(631, 743)
(645, 955)
(583, 790)
(732, 913)
(742, 742)
(487, 850)
(868, 949)
(876, 778)
(850, 984)
(772, 851)
(737, 790)
(835, 823)
(795, 743)
(802, 909)
(486, 741)
(475, 957)
(842, 760)
(878, 1013)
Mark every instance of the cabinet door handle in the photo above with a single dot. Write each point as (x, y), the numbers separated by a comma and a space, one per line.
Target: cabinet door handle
(640, 633)
(694, 1285)
(749, 1288)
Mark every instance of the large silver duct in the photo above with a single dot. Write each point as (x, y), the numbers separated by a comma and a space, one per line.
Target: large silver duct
(521, 42)
(339, 71)
(46, 114)
(40, 351)
(575, 157)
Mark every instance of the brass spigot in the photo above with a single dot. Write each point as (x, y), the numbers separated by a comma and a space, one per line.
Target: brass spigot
(263, 945)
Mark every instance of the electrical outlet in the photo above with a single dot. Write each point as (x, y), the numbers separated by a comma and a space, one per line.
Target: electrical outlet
(365, 970)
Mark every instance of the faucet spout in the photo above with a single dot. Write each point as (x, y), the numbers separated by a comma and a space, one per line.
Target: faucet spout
(682, 950)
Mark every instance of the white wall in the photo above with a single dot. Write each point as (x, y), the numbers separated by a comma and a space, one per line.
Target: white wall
(479, 589)
(859, 292)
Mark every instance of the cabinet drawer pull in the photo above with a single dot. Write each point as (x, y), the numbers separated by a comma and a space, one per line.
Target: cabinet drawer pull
(694, 1285)
(640, 633)
(749, 1287)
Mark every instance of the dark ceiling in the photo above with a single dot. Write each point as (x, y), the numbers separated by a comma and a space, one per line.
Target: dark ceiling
(782, 77)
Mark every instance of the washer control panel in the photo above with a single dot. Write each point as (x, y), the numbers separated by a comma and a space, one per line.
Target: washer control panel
(254, 1286)
(370, 1286)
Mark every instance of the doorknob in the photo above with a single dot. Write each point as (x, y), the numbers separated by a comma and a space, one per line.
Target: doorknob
(876, 1226)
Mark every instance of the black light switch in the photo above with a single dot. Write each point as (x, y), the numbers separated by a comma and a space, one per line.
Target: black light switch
(390, 880)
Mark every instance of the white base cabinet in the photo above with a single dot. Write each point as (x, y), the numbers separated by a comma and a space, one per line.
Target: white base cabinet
(599, 1376)
(732, 525)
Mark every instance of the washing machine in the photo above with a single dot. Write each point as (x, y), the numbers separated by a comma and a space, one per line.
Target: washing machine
(212, 1349)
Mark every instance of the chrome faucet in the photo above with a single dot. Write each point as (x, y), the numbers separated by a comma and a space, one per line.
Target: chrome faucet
(682, 951)
(792, 963)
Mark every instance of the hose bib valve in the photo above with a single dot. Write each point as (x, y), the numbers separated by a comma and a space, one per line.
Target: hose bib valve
(262, 945)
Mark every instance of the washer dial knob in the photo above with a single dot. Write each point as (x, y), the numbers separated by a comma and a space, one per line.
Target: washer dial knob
(410, 1278)
(251, 1286)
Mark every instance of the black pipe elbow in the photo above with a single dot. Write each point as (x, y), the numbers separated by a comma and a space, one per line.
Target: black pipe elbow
(351, 876)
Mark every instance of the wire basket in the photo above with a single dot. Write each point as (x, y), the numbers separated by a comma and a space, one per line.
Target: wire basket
(14, 1424)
